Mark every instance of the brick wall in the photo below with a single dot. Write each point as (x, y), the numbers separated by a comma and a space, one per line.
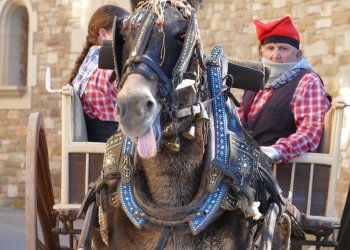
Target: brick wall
(323, 26)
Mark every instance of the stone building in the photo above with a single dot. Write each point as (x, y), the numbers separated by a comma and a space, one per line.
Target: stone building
(36, 34)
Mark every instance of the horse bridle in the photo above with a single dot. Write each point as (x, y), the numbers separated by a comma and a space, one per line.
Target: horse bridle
(152, 70)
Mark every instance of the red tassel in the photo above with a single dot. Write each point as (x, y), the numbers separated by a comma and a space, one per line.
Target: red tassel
(159, 22)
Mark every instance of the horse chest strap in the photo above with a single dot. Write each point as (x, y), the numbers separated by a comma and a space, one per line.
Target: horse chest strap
(126, 166)
(130, 206)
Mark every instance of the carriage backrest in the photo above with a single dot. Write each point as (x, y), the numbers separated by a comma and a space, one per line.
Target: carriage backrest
(78, 129)
(81, 160)
(326, 140)
(312, 177)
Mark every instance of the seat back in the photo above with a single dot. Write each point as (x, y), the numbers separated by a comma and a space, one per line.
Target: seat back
(325, 141)
(81, 160)
(79, 133)
(312, 177)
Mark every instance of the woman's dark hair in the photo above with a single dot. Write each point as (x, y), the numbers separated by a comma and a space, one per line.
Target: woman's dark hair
(102, 18)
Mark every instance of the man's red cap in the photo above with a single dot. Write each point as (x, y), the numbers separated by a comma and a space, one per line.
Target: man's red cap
(278, 31)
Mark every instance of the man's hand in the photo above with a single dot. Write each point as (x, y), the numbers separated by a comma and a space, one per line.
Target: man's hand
(270, 152)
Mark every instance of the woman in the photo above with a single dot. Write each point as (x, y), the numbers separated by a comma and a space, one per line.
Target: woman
(93, 85)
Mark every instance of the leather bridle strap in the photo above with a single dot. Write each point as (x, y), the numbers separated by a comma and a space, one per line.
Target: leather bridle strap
(187, 49)
(137, 56)
(141, 41)
(164, 238)
(164, 88)
(198, 107)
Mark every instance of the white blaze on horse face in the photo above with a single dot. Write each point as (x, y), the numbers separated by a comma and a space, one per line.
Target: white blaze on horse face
(185, 83)
(137, 107)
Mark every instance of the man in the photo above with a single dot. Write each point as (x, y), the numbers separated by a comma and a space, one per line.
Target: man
(286, 117)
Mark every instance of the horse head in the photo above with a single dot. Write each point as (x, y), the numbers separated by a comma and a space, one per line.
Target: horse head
(159, 49)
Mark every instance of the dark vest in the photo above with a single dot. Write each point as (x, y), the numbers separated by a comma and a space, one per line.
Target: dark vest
(275, 120)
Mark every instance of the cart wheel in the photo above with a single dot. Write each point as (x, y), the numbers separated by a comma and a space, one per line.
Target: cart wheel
(344, 231)
(39, 193)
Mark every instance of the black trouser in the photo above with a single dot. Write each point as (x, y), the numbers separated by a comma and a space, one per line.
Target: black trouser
(100, 131)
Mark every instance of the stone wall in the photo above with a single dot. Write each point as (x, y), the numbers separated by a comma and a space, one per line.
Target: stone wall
(62, 26)
(323, 27)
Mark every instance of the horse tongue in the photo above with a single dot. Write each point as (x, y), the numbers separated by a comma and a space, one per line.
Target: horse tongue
(146, 144)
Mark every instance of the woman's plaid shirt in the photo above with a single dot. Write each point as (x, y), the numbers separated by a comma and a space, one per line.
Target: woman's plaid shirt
(97, 93)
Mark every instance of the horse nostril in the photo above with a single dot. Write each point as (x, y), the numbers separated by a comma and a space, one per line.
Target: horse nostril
(149, 105)
(117, 110)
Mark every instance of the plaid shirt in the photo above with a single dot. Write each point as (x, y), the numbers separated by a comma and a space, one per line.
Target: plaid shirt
(92, 84)
(309, 105)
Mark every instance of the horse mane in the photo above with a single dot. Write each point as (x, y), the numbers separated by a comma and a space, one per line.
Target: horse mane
(155, 4)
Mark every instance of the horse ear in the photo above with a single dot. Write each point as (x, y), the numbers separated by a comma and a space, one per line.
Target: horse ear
(196, 4)
(134, 4)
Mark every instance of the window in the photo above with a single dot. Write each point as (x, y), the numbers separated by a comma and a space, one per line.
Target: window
(17, 63)
(18, 49)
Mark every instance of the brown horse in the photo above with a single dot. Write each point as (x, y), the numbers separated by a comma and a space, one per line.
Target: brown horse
(171, 176)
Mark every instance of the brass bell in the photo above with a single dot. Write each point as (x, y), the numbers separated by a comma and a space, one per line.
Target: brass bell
(190, 132)
(203, 116)
(174, 144)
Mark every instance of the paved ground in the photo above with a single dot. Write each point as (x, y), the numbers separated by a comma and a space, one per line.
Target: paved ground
(12, 229)
(13, 232)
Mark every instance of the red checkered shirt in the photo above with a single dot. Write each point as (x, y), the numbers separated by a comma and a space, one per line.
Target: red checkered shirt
(98, 100)
(309, 106)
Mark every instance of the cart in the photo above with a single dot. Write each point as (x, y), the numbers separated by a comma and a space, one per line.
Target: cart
(47, 222)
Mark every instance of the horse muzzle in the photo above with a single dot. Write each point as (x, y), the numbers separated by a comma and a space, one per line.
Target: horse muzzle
(136, 107)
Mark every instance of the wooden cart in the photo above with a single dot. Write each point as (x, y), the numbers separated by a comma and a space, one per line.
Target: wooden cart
(47, 222)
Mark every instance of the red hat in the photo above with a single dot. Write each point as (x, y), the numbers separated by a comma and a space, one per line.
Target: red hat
(279, 31)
